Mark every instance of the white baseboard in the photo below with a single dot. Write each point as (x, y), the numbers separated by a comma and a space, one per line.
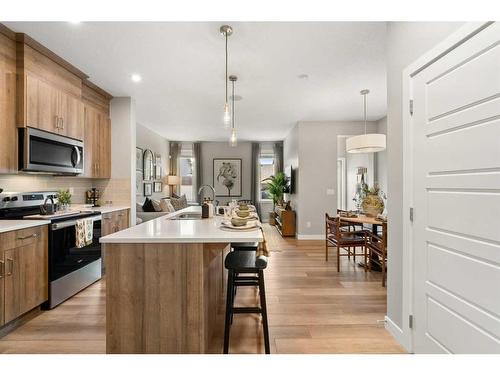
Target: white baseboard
(310, 236)
(396, 332)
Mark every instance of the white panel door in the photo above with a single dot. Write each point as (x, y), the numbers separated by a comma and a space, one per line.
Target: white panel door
(456, 197)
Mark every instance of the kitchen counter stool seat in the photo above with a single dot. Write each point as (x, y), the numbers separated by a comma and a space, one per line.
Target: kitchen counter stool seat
(238, 262)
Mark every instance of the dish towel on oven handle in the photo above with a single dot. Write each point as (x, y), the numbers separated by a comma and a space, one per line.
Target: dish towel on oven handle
(84, 229)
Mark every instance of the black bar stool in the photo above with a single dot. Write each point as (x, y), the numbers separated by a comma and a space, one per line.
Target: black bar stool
(238, 262)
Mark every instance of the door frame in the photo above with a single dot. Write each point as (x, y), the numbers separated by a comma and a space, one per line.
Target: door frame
(404, 334)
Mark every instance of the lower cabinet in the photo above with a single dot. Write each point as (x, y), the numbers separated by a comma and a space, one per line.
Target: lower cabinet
(23, 271)
(113, 222)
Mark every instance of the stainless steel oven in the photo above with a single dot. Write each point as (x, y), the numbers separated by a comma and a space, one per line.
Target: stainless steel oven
(72, 269)
(41, 151)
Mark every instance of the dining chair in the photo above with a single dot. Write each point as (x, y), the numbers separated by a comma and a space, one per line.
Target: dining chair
(343, 239)
(377, 248)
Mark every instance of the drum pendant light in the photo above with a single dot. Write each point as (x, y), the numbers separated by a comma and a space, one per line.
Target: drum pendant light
(365, 143)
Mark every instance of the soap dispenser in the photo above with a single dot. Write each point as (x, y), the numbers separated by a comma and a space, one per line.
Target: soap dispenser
(205, 209)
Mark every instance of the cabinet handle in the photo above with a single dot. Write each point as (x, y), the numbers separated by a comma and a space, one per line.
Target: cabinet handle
(57, 122)
(2, 269)
(11, 268)
(34, 235)
(62, 123)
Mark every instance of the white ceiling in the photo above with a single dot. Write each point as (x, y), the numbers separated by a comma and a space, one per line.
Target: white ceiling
(181, 95)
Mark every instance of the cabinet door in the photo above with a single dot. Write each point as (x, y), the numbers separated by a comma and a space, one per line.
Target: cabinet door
(90, 140)
(2, 287)
(41, 105)
(121, 220)
(104, 142)
(71, 114)
(11, 287)
(108, 224)
(33, 274)
(8, 150)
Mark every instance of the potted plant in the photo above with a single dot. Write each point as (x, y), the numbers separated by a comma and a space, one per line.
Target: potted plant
(276, 186)
(64, 199)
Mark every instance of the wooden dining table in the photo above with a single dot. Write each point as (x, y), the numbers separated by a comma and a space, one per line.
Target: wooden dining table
(363, 219)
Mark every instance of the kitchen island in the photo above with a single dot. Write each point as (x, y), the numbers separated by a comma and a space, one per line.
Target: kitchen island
(165, 284)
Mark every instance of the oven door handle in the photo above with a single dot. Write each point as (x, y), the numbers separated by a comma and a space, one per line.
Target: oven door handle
(70, 223)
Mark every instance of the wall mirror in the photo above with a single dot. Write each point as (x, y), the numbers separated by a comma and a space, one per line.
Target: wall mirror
(148, 161)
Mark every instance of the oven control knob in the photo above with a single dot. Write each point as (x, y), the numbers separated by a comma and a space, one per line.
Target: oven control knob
(13, 199)
(6, 199)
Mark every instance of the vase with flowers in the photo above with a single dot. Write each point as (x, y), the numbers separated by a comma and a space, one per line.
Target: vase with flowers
(373, 200)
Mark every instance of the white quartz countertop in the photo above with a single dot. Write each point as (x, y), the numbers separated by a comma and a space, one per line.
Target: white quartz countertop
(10, 225)
(101, 209)
(164, 230)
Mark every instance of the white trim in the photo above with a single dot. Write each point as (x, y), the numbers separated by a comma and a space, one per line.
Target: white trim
(405, 335)
(310, 236)
(396, 332)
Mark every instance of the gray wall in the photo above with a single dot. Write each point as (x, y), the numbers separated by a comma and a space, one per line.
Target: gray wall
(316, 143)
(381, 158)
(148, 139)
(211, 150)
(406, 41)
(291, 158)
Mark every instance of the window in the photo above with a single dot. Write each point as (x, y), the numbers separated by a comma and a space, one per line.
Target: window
(266, 170)
(187, 172)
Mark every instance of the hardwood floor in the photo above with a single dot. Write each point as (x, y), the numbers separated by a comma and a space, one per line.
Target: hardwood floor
(311, 309)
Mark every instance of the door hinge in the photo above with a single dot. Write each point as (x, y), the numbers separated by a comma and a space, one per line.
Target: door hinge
(411, 214)
(411, 107)
(410, 321)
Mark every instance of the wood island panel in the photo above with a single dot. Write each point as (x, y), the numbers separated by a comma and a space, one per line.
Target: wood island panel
(164, 298)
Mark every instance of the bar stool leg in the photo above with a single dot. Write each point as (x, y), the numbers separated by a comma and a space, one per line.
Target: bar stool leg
(229, 309)
(263, 308)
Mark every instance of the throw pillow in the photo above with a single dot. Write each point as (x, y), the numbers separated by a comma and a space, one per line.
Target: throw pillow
(148, 206)
(166, 205)
(156, 205)
(179, 203)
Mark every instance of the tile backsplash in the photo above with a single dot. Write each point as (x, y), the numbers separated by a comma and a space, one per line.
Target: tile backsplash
(114, 189)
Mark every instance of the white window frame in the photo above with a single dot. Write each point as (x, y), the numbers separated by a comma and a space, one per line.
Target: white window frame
(265, 156)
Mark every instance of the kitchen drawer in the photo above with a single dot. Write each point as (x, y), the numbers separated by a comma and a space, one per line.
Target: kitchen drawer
(21, 237)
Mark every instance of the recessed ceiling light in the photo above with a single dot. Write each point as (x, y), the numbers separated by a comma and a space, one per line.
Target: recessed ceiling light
(303, 76)
(136, 78)
(75, 22)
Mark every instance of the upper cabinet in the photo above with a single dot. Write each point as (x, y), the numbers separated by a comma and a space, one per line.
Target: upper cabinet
(97, 137)
(49, 95)
(39, 89)
(8, 144)
(51, 109)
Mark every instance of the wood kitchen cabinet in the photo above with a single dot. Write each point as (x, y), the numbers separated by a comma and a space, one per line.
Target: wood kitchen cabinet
(24, 271)
(52, 110)
(49, 90)
(8, 130)
(97, 140)
(113, 222)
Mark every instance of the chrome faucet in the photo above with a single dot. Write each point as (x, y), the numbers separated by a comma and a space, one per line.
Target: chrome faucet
(203, 187)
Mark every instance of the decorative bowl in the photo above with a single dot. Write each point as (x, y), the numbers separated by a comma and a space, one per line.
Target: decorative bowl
(243, 213)
(238, 221)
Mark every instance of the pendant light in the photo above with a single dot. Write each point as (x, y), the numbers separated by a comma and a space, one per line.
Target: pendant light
(226, 31)
(365, 143)
(233, 141)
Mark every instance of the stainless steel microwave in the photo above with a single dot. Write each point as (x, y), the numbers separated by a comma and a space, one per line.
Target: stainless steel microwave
(41, 151)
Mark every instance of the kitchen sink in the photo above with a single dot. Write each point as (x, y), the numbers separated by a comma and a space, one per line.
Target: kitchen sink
(187, 216)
